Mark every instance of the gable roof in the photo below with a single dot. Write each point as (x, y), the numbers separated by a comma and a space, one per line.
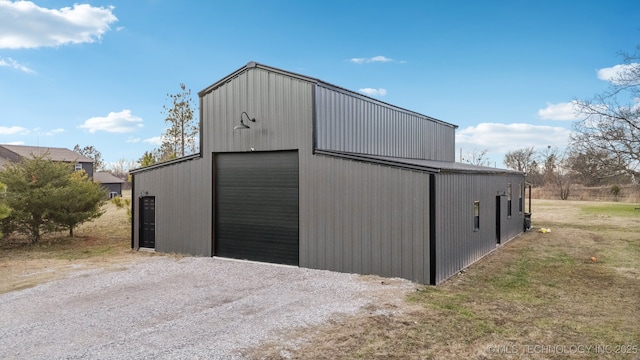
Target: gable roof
(253, 64)
(55, 154)
(104, 177)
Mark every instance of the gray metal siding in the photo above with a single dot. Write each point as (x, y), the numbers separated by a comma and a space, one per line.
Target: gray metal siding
(183, 206)
(364, 218)
(348, 123)
(354, 216)
(282, 107)
(457, 244)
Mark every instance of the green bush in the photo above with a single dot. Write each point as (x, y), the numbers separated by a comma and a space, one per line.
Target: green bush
(46, 196)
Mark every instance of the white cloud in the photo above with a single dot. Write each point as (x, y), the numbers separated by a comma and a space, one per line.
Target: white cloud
(614, 73)
(156, 140)
(14, 130)
(53, 132)
(24, 24)
(501, 138)
(133, 140)
(120, 122)
(9, 62)
(560, 111)
(374, 92)
(375, 59)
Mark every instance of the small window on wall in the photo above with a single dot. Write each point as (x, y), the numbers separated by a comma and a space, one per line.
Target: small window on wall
(77, 167)
(476, 215)
(509, 200)
(520, 204)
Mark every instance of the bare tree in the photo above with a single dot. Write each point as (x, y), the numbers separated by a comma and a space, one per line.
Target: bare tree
(610, 125)
(476, 157)
(562, 179)
(520, 159)
(181, 136)
(92, 153)
(549, 157)
(534, 176)
(596, 167)
(120, 168)
(556, 172)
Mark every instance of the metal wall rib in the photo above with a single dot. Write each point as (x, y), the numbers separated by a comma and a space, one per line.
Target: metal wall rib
(183, 205)
(282, 107)
(364, 218)
(354, 216)
(348, 123)
(457, 244)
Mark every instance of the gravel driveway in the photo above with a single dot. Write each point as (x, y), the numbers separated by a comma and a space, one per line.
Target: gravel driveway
(167, 308)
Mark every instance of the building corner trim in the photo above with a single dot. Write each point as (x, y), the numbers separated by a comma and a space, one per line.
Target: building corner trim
(432, 230)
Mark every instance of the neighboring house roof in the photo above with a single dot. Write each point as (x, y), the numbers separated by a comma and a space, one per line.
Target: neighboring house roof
(3, 161)
(104, 177)
(55, 154)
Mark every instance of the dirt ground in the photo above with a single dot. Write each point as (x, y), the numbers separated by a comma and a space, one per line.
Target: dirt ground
(102, 243)
(577, 285)
(570, 292)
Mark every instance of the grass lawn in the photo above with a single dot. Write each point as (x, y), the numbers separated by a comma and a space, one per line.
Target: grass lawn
(103, 243)
(572, 292)
(540, 296)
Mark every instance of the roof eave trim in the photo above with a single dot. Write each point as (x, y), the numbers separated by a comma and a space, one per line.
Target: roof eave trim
(166, 163)
(365, 158)
(483, 171)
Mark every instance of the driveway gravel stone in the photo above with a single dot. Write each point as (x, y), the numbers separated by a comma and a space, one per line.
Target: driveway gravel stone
(164, 307)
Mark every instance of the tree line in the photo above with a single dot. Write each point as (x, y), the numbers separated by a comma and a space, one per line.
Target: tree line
(604, 146)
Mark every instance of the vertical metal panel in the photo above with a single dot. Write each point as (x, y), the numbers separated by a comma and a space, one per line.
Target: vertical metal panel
(354, 216)
(457, 244)
(375, 217)
(281, 105)
(183, 204)
(348, 123)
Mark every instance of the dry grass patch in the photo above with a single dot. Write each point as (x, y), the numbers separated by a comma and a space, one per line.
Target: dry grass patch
(103, 243)
(540, 296)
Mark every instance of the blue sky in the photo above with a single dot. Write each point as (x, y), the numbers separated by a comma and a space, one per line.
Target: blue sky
(98, 72)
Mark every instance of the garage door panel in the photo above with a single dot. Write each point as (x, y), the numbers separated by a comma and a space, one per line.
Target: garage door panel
(246, 179)
(260, 244)
(257, 206)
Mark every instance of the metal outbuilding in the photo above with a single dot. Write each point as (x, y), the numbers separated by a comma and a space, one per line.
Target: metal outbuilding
(297, 171)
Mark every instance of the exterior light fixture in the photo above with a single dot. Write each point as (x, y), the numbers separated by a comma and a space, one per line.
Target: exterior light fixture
(242, 124)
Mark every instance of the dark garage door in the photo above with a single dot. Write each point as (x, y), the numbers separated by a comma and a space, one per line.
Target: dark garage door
(256, 197)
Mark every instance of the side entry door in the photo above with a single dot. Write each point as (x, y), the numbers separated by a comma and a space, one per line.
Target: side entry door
(148, 222)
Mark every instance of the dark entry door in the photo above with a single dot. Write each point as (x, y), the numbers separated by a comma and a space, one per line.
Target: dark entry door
(148, 222)
(256, 197)
(498, 221)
